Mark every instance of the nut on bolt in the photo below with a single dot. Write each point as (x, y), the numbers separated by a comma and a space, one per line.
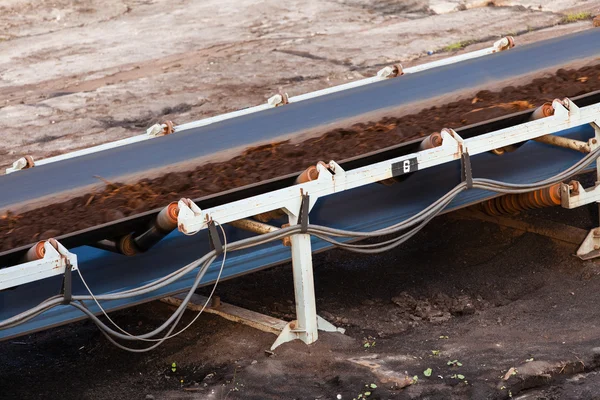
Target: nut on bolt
(391, 71)
(278, 100)
(507, 42)
(23, 163)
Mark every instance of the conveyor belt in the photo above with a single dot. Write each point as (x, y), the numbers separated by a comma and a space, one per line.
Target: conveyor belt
(367, 208)
(280, 122)
(127, 225)
(107, 272)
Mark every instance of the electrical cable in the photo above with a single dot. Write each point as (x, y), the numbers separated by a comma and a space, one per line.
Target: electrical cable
(405, 229)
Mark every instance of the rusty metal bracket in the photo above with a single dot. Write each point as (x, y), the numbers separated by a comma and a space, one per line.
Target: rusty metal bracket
(213, 236)
(67, 283)
(303, 214)
(466, 171)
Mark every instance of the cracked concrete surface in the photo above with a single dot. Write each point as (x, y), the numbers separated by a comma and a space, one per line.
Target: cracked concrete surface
(83, 72)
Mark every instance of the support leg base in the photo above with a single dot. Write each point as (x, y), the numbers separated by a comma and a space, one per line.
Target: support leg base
(289, 333)
(590, 248)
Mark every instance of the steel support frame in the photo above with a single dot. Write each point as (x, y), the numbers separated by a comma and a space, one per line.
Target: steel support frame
(54, 262)
(307, 324)
(332, 178)
(575, 195)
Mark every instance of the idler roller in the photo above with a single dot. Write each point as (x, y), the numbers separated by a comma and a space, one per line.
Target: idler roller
(165, 223)
(431, 141)
(309, 174)
(515, 203)
(545, 110)
(36, 252)
(134, 243)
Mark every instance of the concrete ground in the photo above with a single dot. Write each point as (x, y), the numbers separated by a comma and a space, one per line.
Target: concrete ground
(77, 73)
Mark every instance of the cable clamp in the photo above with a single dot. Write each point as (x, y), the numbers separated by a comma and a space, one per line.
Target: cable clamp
(67, 283)
(215, 240)
(303, 214)
(465, 169)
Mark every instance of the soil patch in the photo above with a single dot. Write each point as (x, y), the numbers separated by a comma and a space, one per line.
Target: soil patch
(269, 161)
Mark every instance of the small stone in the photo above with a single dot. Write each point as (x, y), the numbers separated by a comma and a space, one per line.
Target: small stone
(149, 397)
(253, 362)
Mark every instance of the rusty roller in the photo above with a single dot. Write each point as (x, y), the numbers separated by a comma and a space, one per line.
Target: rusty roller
(545, 110)
(134, 243)
(515, 203)
(36, 252)
(431, 141)
(309, 174)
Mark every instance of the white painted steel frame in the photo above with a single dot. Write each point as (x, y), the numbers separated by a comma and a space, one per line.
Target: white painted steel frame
(53, 263)
(192, 219)
(334, 179)
(496, 47)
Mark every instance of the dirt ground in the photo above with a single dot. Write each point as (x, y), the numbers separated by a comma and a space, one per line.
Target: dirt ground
(78, 73)
(490, 298)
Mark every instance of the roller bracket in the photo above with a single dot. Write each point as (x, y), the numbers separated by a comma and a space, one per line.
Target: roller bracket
(506, 43)
(165, 128)
(22, 163)
(56, 260)
(278, 100)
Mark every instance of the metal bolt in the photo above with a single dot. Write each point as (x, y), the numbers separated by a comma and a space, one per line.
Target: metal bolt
(597, 231)
(594, 141)
(596, 247)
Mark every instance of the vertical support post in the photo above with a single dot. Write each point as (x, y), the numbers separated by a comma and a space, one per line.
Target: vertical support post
(307, 324)
(590, 248)
(304, 288)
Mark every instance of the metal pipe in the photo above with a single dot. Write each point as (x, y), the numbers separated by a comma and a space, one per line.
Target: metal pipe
(564, 142)
(546, 110)
(260, 228)
(253, 226)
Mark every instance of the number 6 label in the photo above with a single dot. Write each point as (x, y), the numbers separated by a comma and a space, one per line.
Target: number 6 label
(405, 167)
